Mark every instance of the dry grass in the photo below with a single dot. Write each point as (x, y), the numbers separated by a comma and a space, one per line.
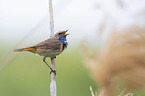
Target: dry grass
(122, 58)
(101, 94)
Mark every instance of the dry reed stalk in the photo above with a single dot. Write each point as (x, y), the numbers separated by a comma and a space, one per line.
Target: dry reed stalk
(122, 58)
(53, 82)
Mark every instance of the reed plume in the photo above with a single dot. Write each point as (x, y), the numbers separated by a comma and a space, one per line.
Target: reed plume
(121, 58)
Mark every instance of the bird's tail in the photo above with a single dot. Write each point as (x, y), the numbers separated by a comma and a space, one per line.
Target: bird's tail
(24, 49)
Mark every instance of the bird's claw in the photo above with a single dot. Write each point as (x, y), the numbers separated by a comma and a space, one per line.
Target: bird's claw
(54, 71)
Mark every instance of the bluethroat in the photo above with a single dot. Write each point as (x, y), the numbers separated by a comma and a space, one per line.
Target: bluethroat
(49, 48)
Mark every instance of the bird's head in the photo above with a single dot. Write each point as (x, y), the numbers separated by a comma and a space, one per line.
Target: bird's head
(61, 33)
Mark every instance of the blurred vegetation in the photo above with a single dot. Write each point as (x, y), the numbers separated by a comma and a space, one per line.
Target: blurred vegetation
(120, 64)
(27, 75)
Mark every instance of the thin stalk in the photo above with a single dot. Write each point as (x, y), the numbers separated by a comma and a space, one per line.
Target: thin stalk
(51, 18)
(53, 82)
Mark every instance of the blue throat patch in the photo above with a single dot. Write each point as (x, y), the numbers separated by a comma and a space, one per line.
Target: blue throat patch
(63, 39)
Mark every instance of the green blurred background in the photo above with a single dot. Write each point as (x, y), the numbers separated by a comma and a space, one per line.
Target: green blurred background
(28, 20)
(27, 75)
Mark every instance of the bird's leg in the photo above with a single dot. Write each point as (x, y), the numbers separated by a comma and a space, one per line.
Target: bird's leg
(54, 71)
(49, 66)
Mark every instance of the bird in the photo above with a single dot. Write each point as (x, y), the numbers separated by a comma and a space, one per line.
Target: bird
(51, 47)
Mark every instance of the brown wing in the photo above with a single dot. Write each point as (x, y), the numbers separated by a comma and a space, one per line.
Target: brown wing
(50, 47)
(51, 43)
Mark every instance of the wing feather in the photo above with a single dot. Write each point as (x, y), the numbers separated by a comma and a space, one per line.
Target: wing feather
(51, 43)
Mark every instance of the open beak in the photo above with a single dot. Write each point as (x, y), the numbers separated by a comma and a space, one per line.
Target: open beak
(66, 30)
(65, 33)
